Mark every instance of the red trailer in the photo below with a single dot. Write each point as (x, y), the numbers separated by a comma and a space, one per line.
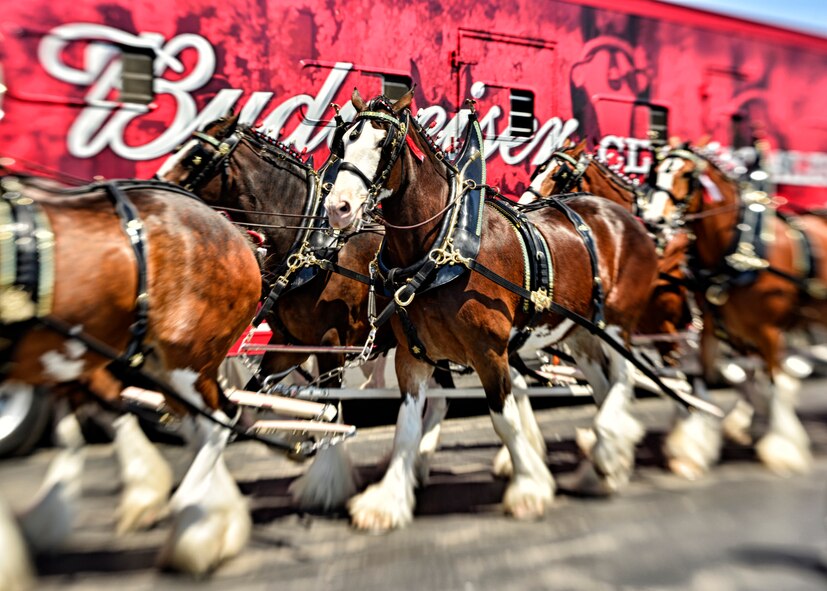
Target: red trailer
(109, 87)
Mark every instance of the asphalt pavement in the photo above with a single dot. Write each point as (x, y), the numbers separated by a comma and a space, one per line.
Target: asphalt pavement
(741, 528)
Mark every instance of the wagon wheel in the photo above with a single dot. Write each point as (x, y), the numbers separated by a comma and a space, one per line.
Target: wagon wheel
(24, 418)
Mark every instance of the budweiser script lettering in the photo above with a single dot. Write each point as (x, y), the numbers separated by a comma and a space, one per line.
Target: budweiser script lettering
(103, 124)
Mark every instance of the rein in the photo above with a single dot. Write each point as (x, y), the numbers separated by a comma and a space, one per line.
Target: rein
(442, 211)
(445, 252)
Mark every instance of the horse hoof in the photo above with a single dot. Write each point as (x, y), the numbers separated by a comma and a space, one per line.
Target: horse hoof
(378, 511)
(615, 459)
(328, 483)
(693, 445)
(784, 456)
(423, 469)
(589, 483)
(140, 508)
(528, 499)
(585, 439)
(736, 424)
(200, 540)
(16, 570)
(686, 469)
(502, 467)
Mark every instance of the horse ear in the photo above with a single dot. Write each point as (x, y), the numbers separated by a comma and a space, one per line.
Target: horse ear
(232, 121)
(580, 147)
(357, 100)
(704, 141)
(404, 101)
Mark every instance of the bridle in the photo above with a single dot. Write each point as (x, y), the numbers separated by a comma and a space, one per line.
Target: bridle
(568, 176)
(205, 164)
(694, 191)
(395, 141)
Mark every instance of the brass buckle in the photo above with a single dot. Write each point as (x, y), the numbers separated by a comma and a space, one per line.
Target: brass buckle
(398, 294)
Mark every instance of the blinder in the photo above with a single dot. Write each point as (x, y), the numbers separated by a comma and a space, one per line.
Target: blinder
(568, 175)
(202, 163)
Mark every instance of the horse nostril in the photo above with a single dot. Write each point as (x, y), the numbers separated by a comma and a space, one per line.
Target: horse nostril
(344, 208)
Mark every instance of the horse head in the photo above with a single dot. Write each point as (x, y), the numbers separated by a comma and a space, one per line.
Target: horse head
(197, 162)
(561, 173)
(677, 183)
(369, 153)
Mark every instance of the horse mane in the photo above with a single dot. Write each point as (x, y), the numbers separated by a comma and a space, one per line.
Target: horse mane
(716, 166)
(265, 139)
(622, 181)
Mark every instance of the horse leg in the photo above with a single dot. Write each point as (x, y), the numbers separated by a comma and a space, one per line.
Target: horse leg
(694, 443)
(146, 477)
(785, 448)
(531, 488)
(503, 467)
(331, 478)
(389, 503)
(211, 518)
(435, 411)
(16, 571)
(374, 373)
(610, 446)
(48, 520)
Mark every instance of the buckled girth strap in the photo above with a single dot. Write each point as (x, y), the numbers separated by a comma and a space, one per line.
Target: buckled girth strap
(133, 227)
(585, 233)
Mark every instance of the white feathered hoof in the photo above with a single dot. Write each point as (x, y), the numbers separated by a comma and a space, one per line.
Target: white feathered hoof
(784, 456)
(585, 439)
(736, 424)
(208, 530)
(502, 466)
(16, 572)
(613, 453)
(328, 483)
(201, 540)
(146, 475)
(527, 498)
(693, 446)
(142, 505)
(379, 509)
(588, 482)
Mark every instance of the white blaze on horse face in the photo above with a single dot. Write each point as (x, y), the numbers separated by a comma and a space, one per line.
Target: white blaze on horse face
(538, 181)
(656, 210)
(174, 160)
(347, 198)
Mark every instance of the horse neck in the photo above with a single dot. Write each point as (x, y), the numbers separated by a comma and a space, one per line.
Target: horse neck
(597, 182)
(260, 188)
(715, 229)
(423, 193)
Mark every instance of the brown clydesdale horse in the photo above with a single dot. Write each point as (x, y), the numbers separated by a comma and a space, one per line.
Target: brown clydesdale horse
(202, 287)
(468, 320)
(692, 446)
(752, 266)
(265, 186)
